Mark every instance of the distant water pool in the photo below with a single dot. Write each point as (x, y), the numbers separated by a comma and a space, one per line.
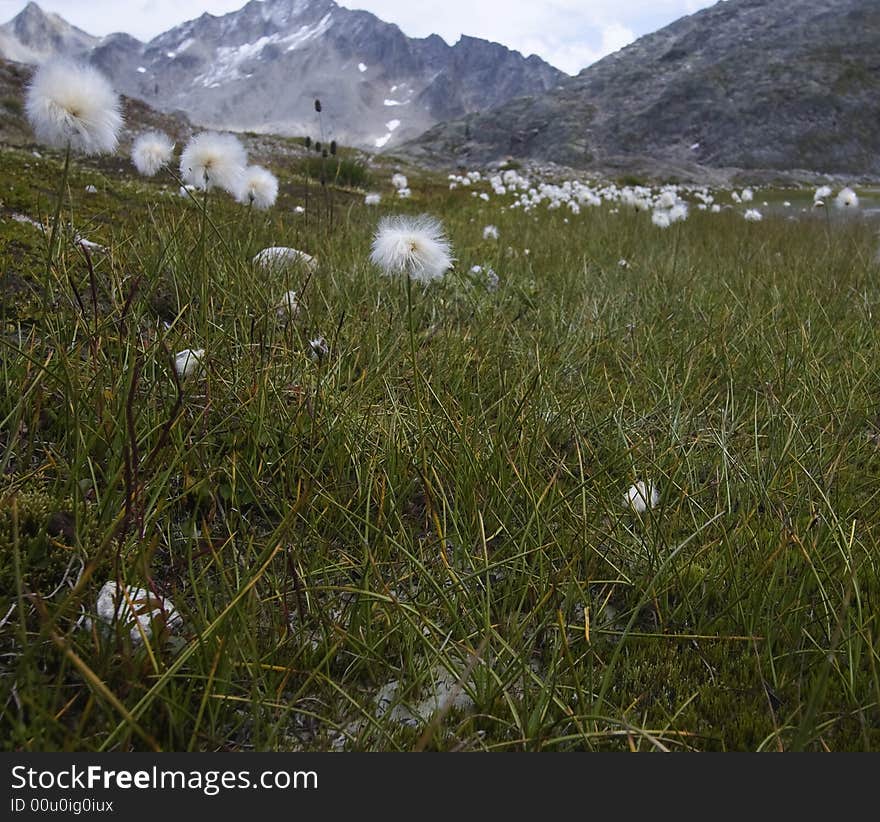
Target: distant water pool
(773, 202)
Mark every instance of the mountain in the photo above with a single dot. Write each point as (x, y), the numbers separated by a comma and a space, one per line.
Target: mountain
(262, 67)
(32, 36)
(753, 84)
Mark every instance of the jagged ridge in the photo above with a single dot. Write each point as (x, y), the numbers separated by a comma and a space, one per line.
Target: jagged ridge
(261, 68)
(754, 84)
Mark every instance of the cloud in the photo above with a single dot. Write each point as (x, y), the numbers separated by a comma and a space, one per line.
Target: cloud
(573, 54)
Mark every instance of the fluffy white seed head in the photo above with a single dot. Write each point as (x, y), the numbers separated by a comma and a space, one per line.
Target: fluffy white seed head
(415, 246)
(747, 195)
(667, 199)
(188, 361)
(490, 232)
(641, 496)
(288, 307)
(822, 193)
(661, 219)
(214, 160)
(753, 215)
(318, 348)
(846, 198)
(72, 104)
(151, 151)
(278, 258)
(258, 187)
(399, 181)
(372, 199)
(678, 212)
(136, 609)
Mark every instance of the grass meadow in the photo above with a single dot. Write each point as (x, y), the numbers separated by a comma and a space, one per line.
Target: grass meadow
(415, 536)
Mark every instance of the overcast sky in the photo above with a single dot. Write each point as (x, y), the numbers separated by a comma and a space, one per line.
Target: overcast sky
(570, 34)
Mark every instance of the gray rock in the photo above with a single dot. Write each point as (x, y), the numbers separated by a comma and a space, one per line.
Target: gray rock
(751, 84)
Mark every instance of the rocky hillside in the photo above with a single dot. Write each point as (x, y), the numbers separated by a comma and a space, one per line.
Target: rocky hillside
(754, 84)
(261, 68)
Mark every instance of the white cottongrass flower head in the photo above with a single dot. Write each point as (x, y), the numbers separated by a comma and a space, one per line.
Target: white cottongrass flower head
(490, 232)
(415, 246)
(318, 348)
(136, 609)
(278, 258)
(641, 496)
(747, 195)
(753, 215)
(667, 199)
(78, 239)
(490, 278)
(151, 152)
(661, 219)
(372, 199)
(399, 181)
(846, 198)
(822, 193)
(287, 307)
(212, 160)
(72, 104)
(678, 213)
(188, 362)
(259, 187)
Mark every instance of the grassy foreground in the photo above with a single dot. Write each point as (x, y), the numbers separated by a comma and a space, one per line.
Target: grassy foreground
(357, 540)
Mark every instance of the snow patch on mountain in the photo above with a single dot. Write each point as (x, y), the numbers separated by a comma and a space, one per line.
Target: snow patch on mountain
(228, 60)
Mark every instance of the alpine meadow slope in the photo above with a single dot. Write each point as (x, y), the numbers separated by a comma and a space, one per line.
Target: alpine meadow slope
(314, 450)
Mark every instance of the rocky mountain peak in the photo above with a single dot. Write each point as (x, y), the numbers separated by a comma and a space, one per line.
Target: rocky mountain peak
(754, 84)
(260, 69)
(34, 35)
